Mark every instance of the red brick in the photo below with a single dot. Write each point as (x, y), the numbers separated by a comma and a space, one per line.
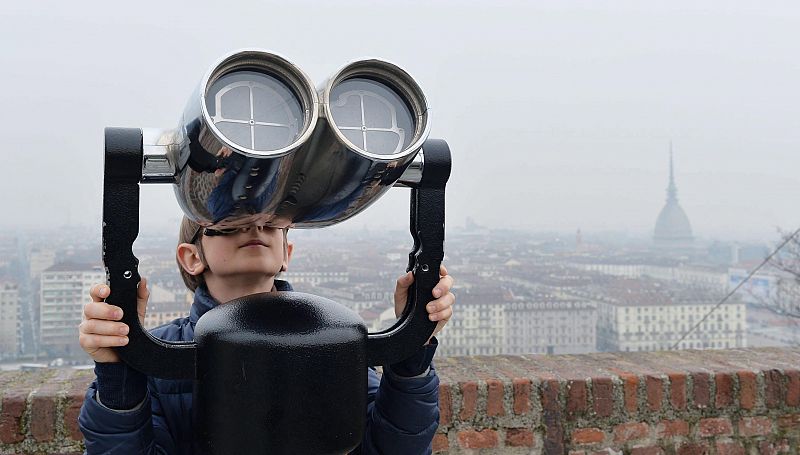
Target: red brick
(630, 388)
(730, 448)
(655, 392)
(472, 439)
(469, 400)
(519, 437)
(701, 385)
(440, 443)
(43, 415)
(724, 383)
(44, 402)
(603, 394)
(693, 449)
(576, 398)
(672, 428)
(792, 387)
(552, 418)
(494, 399)
(773, 388)
(677, 387)
(789, 422)
(755, 426)
(649, 450)
(445, 405)
(717, 426)
(629, 431)
(550, 392)
(76, 393)
(11, 416)
(587, 436)
(522, 395)
(773, 448)
(747, 389)
(71, 418)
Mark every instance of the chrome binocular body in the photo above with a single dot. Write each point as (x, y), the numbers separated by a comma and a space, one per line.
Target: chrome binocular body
(258, 144)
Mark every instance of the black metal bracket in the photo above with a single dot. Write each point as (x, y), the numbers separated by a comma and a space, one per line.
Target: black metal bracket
(123, 172)
(427, 229)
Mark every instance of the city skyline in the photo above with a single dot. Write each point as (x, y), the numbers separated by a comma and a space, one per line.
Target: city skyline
(516, 292)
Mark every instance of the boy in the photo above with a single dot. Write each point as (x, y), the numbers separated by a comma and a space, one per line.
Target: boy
(126, 412)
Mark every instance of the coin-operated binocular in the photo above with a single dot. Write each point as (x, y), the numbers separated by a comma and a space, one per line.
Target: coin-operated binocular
(280, 372)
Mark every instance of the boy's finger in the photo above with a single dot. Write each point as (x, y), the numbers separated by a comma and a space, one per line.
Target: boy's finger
(102, 310)
(442, 270)
(443, 286)
(99, 292)
(441, 303)
(405, 281)
(441, 315)
(142, 296)
(141, 291)
(100, 341)
(102, 327)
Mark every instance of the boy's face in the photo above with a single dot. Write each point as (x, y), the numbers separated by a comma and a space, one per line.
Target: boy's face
(253, 251)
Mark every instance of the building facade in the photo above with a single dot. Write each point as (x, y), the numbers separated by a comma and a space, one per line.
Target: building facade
(479, 327)
(9, 320)
(63, 292)
(546, 324)
(645, 315)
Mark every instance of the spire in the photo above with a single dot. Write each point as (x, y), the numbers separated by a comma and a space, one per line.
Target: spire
(672, 225)
(672, 190)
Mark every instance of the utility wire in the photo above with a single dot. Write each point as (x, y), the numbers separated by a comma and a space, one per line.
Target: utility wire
(741, 283)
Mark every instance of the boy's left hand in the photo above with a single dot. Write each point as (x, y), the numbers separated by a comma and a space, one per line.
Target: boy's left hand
(440, 309)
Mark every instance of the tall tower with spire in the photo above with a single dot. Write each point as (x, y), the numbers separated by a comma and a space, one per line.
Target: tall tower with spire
(672, 226)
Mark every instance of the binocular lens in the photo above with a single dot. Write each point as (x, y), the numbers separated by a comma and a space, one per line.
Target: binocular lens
(372, 116)
(255, 110)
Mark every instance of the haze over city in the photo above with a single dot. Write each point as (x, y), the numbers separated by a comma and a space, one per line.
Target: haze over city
(559, 115)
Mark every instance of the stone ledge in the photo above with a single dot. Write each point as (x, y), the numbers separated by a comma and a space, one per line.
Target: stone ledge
(742, 401)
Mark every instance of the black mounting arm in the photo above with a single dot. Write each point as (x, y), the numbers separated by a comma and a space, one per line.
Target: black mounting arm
(427, 228)
(123, 172)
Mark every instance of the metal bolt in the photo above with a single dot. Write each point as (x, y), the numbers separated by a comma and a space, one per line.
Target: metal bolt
(127, 274)
(425, 267)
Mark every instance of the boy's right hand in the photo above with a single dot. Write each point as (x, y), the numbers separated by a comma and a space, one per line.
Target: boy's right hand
(100, 329)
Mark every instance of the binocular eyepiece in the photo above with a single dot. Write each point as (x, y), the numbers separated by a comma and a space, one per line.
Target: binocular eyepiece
(257, 142)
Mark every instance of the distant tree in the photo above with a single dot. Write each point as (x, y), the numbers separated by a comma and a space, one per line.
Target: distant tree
(784, 298)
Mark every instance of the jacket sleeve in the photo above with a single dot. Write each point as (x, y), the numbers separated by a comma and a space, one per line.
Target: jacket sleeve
(402, 413)
(134, 432)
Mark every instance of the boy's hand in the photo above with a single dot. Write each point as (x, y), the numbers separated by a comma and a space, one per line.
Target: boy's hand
(438, 310)
(99, 331)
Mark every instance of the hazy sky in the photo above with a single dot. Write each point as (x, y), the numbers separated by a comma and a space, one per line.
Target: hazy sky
(559, 114)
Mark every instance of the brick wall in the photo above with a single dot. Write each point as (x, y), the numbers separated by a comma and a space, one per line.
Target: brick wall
(744, 401)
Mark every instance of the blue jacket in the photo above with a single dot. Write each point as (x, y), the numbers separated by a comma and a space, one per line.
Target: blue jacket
(402, 412)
